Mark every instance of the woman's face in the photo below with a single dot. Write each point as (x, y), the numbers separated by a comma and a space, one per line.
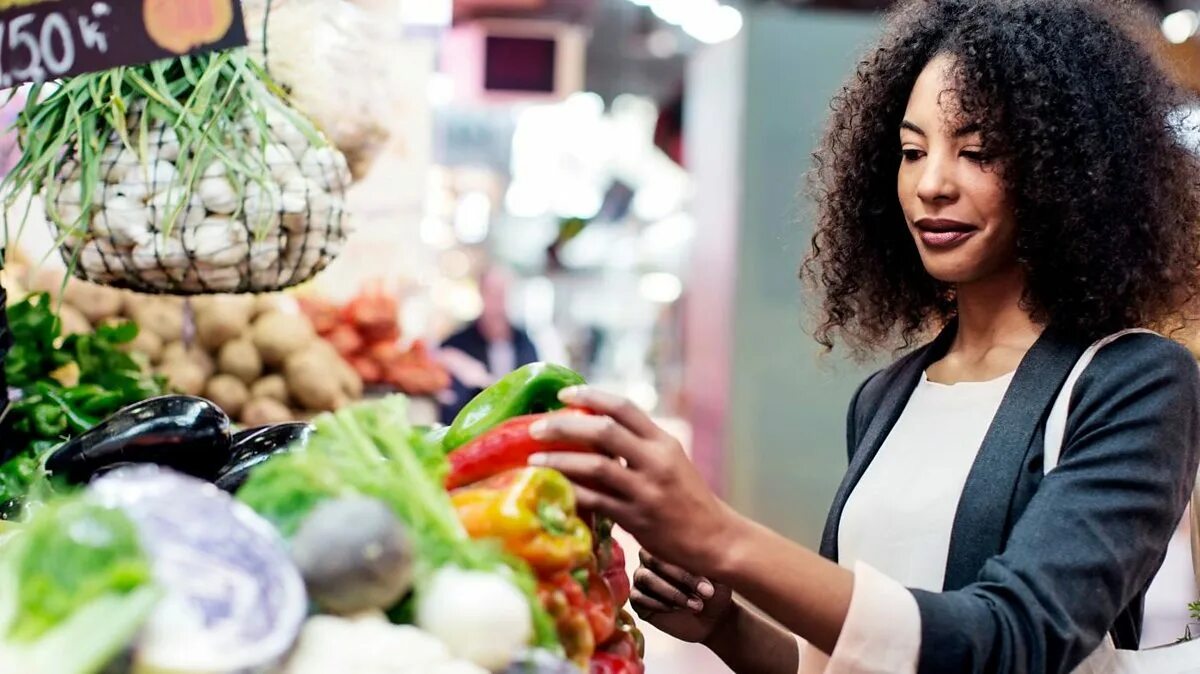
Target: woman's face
(953, 198)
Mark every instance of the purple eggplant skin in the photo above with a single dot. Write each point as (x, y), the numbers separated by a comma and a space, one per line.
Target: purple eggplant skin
(255, 447)
(183, 433)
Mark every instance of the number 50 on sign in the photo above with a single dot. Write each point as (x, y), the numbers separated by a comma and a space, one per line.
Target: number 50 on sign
(47, 39)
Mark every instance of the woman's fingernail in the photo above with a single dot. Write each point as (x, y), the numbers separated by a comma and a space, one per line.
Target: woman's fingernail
(539, 429)
(706, 589)
(538, 460)
(568, 394)
(696, 605)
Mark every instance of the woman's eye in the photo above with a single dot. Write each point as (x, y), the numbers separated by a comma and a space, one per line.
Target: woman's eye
(976, 156)
(910, 154)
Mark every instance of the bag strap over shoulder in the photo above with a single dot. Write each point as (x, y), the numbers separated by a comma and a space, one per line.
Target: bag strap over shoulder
(1056, 423)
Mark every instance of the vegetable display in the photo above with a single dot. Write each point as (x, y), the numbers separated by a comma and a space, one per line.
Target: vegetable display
(366, 332)
(257, 357)
(343, 551)
(189, 175)
(531, 513)
(66, 385)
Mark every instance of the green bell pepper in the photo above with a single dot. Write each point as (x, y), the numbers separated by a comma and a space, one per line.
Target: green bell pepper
(527, 390)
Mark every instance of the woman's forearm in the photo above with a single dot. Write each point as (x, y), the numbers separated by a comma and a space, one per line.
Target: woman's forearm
(748, 642)
(803, 591)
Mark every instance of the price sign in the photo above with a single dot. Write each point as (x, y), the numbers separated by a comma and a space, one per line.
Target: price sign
(48, 39)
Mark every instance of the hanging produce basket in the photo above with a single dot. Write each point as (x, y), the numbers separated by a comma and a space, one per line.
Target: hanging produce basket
(184, 176)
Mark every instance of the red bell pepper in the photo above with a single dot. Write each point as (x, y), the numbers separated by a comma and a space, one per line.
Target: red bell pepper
(505, 447)
(607, 663)
(600, 608)
(612, 568)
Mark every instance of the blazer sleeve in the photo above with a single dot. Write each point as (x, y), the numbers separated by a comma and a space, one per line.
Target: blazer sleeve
(1095, 532)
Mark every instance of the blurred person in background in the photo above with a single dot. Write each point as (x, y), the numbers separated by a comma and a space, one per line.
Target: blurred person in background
(1007, 175)
(488, 348)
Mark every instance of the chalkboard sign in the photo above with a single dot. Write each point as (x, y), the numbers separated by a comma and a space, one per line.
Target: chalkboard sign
(47, 39)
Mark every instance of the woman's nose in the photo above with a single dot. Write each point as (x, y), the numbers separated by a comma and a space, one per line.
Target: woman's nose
(937, 182)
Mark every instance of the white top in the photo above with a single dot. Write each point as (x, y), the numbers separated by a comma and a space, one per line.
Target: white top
(899, 517)
(895, 527)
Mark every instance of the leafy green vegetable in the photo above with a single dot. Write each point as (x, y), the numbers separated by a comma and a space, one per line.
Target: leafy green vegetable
(75, 586)
(49, 411)
(370, 449)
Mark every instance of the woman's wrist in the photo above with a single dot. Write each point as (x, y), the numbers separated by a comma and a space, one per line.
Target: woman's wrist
(747, 642)
(732, 537)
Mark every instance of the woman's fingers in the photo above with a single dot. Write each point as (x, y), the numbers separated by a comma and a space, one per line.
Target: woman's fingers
(595, 471)
(647, 607)
(679, 576)
(590, 500)
(599, 432)
(623, 410)
(653, 585)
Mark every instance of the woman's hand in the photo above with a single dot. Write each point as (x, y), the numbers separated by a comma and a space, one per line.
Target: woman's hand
(641, 478)
(684, 606)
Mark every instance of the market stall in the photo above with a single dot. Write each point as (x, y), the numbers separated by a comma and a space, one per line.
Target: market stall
(200, 473)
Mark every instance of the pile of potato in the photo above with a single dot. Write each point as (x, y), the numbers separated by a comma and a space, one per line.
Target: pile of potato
(258, 357)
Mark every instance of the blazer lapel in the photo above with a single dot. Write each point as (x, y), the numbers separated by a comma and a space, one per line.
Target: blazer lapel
(981, 523)
(884, 417)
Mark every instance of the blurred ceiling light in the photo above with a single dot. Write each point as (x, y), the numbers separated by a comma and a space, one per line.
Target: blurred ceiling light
(440, 90)
(716, 24)
(576, 200)
(669, 233)
(1180, 26)
(524, 199)
(662, 43)
(427, 12)
(436, 233)
(660, 287)
(473, 218)
(674, 12)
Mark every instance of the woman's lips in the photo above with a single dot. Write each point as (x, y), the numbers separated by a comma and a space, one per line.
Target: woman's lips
(944, 233)
(946, 239)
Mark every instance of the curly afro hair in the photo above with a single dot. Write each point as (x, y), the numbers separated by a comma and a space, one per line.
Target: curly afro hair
(1085, 129)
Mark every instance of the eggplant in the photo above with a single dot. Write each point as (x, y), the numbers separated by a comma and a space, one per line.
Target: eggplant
(255, 446)
(183, 433)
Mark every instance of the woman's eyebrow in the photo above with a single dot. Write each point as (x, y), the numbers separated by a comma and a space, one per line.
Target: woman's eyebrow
(911, 127)
(967, 130)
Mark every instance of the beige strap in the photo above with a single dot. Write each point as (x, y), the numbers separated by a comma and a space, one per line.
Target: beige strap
(1196, 534)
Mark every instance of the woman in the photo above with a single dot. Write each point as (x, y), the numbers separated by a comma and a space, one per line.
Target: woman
(1005, 171)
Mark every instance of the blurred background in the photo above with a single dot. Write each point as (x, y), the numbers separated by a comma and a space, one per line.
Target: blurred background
(617, 185)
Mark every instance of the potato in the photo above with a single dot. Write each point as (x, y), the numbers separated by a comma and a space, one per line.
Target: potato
(73, 321)
(47, 280)
(310, 382)
(240, 359)
(222, 318)
(264, 411)
(157, 316)
(272, 386)
(94, 301)
(176, 351)
(183, 376)
(228, 392)
(266, 304)
(278, 336)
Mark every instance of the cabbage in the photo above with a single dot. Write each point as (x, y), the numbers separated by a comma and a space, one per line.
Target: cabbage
(75, 587)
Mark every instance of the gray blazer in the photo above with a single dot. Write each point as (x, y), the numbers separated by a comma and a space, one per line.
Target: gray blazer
(1039, 570)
